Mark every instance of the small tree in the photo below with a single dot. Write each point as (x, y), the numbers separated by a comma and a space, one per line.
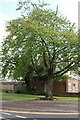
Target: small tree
(43, 43)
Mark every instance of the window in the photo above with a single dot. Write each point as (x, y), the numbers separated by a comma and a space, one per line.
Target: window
(69, 86)
(76, 87)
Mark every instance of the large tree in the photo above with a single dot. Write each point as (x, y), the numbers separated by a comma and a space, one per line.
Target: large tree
(41, 43)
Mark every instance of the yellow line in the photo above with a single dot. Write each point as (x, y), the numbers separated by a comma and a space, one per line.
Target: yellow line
(51, 113)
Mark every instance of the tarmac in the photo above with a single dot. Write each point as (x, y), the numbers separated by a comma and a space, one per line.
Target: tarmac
(40, 106)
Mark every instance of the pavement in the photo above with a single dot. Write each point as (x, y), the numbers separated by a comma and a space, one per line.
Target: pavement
(40, 106)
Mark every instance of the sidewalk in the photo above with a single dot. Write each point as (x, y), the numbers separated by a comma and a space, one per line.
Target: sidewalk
(40, 106)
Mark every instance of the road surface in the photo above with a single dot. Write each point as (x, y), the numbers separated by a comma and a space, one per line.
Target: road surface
(8, 115)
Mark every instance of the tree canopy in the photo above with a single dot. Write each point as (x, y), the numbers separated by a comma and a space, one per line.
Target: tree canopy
(43, 43)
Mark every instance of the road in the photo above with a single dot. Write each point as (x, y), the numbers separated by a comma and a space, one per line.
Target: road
(38, 105)
(8, 115)
(43, 110)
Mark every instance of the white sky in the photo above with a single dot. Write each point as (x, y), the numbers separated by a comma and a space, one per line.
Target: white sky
(68, 8)
(3, 19)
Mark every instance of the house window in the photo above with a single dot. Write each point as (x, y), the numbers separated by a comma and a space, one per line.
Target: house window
(76, 87)
(69, 86)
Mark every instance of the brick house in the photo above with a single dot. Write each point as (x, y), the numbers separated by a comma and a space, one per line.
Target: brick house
(12, 87)
(72, 85)
(37, 84)
(7, 87)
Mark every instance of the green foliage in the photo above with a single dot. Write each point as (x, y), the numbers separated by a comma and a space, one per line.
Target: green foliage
(63, 78)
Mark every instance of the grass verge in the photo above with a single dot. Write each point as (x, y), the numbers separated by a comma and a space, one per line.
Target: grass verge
(12, 96)
(67, 99)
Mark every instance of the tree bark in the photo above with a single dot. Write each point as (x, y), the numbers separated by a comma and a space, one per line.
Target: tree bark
(28, 85)
(48, 89)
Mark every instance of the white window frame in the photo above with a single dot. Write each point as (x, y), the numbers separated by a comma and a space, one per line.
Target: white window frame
(76, 87)
(69, 86)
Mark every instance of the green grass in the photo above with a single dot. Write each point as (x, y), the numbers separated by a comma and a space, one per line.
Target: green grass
(68, 99)
(12, 96)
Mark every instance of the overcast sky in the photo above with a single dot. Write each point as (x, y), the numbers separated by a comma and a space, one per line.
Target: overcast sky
(68, 8)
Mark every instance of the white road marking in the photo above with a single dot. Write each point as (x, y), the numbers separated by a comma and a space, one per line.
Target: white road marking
(20, 116)
(7, 113)
(1, 118)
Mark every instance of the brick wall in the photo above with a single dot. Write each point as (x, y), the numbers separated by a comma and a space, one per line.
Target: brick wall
(7, 87)
(58, 86)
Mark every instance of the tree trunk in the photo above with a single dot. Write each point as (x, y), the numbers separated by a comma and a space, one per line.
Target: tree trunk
(48, 89)
(28, 85)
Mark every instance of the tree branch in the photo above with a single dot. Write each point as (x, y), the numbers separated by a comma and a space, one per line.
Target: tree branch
(46, 48)
(44, 59)
(64, 69)
(64, 72)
